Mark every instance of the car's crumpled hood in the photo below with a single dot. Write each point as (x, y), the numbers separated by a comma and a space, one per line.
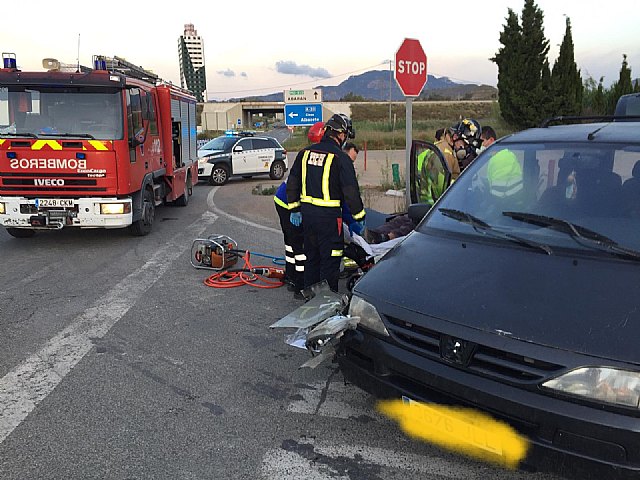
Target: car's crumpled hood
(577, 303)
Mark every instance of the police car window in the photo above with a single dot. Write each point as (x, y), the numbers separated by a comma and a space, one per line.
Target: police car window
(260, 143)
(594, 186)
(246, 144)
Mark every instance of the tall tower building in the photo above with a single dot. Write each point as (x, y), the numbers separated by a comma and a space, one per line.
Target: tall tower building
(191, 53)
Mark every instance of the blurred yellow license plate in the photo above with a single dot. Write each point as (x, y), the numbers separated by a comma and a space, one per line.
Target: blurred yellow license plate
(458, 428)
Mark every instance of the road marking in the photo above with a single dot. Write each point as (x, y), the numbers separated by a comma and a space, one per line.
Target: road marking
(321, 461)
(335, 400)
(26, 385)
(212, 206)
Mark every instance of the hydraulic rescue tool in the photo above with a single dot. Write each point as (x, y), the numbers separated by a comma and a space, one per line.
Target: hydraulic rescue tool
(220, 252)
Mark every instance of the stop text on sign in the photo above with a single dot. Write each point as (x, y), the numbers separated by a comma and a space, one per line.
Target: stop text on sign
(407, 66)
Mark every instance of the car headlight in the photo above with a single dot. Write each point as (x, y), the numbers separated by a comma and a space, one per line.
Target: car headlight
(369, 316)
(3, 208)
(603, 384)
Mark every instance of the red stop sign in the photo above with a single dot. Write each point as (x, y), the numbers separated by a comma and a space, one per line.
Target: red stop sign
(411, 67)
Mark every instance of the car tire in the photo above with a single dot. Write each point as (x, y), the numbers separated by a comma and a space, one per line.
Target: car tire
(144, 225)
(219, 174)
(276, 172)
(183, 200)
(21, 232)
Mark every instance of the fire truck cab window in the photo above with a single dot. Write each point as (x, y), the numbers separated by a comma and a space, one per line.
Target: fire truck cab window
(151, 115)
(134, 112)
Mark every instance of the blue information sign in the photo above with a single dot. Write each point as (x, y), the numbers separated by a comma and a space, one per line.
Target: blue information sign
(302, 114)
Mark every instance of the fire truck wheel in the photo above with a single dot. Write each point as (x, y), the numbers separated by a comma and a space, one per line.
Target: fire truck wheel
(277, 170)
(219, 174)
(183, 200)
(21, 232)
(145, 224)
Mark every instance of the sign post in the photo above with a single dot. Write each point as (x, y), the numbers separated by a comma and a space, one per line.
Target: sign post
(411, 76)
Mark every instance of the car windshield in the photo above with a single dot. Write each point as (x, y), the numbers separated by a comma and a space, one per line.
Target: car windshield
(220, 143)
(565, 195)
(42, 112)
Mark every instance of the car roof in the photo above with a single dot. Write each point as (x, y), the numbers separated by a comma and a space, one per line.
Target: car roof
(615, 132)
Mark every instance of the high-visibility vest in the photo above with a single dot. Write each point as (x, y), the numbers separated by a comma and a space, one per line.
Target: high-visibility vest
(430, 189)
(504, 174)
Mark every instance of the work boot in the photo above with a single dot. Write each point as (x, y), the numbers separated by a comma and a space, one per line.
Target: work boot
(297, 294)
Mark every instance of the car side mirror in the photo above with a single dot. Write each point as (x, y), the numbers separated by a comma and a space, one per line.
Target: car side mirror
(417, 211)
(237, 149)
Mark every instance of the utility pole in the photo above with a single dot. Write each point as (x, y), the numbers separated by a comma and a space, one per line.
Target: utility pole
(390, 75)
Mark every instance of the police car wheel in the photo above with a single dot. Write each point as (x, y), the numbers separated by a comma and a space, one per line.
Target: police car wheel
(277, 170)
(219, 175)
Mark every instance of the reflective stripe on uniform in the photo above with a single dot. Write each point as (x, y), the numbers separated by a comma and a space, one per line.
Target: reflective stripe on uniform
(336, 253)
(325, 178)
(286, 206)
(505, 189)
(305, 157)
(299, 268)
(326, 200)
(290, 259)
(301, 258)
(319, 202)
(281, 203)
(288, 248)
(359, 215)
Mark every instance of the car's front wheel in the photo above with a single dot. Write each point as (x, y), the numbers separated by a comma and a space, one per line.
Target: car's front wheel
(277, 170)
(219, 174)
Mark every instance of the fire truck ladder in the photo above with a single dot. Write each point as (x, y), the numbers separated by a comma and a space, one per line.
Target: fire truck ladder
(117, 64)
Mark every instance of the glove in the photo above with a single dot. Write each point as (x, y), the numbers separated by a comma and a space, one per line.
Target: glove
(296, 218)
(357, 228)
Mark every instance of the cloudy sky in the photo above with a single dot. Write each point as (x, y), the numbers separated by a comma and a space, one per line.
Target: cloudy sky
(255, 48)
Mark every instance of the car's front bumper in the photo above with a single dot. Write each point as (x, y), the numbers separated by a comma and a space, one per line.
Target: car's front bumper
(565, 437)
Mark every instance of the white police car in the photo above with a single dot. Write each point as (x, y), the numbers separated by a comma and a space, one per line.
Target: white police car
(241, 154)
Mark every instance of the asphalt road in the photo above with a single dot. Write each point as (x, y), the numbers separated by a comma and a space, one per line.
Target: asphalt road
(117, 362)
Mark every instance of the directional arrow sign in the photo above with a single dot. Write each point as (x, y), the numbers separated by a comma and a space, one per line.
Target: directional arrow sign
(300, 114)
(303, 96)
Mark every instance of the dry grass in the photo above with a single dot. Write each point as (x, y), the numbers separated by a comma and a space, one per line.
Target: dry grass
(371, 121)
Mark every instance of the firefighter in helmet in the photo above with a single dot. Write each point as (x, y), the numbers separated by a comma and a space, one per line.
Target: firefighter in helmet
(466, 141)
(321, 179)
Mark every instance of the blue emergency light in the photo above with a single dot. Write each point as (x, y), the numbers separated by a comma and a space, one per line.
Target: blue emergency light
(9, 60)
(99, 62)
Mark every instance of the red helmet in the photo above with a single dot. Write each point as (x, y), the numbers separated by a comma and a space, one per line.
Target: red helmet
(316, 131)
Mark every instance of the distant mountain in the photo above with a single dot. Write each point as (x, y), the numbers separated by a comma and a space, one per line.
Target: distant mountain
(374, 85)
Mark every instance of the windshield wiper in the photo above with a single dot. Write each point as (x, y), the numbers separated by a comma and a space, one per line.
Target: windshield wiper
(27, 135)
(74, 135)
(484, 228)
(581, 235)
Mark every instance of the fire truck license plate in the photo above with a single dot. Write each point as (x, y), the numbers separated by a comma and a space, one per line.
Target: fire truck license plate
(53, 202)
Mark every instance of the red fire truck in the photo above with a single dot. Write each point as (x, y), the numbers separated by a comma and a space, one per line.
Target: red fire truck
(92, 148)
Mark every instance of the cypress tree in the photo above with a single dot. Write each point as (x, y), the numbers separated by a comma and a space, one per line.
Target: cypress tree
(508, 61)
(523, 69)
(566, 82)
(621, 87)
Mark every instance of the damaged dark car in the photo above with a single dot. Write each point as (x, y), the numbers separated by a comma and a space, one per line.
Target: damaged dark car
(519, 295)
